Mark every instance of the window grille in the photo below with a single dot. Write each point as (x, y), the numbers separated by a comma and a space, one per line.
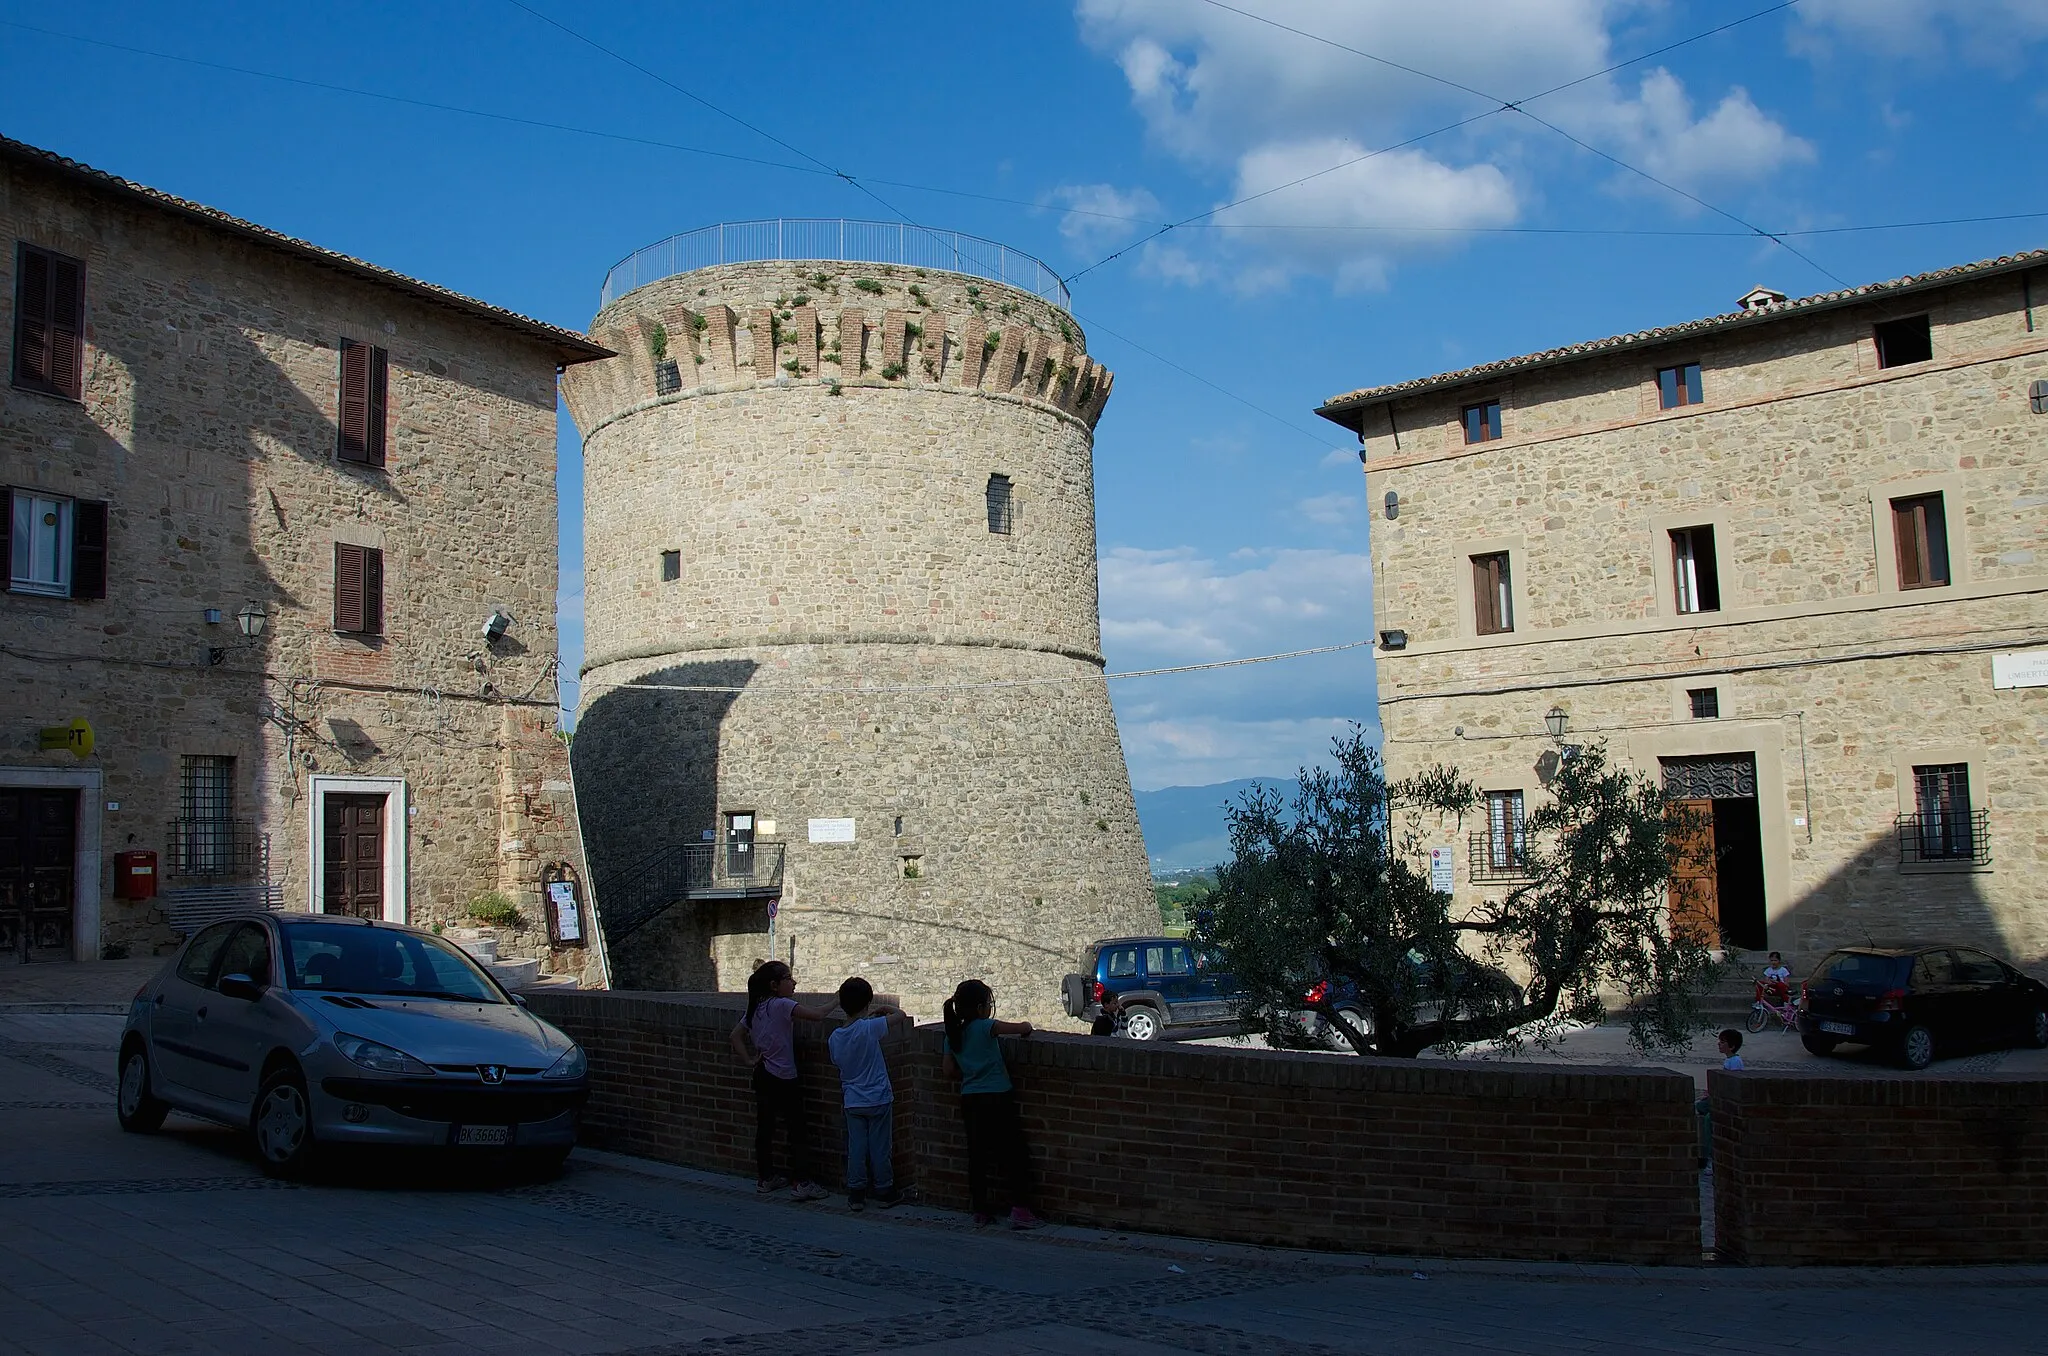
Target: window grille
(1001, 506)
(1502, 851)
(1705, 701)
(1944, 827)
(204, 838)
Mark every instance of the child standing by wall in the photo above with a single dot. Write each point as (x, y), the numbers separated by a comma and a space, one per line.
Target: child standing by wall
(765, 1039)
(870, 1101)
(988, 1103)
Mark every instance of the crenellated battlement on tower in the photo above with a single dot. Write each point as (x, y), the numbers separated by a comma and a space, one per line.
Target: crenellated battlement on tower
(846, 327)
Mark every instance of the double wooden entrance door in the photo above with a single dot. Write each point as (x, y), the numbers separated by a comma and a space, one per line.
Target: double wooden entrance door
(352, 855)
(1717, 875)
(38, 854)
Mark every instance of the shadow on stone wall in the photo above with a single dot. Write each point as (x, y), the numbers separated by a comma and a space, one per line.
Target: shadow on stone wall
(645, 762)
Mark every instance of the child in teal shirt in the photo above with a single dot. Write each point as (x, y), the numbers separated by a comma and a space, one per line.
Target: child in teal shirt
(988, 1103)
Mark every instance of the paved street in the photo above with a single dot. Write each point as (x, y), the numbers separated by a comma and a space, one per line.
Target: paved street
(176, 1244)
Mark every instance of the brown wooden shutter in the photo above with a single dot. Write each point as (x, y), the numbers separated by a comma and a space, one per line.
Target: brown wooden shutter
(373, 592)
(354, 442)
(374, 416)
(6, 539)
(88, 548)
(31, 318)
(1489, 579)
(348, 587)
(67, 326)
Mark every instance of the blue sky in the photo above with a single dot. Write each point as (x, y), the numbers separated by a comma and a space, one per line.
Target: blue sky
(1231, 521)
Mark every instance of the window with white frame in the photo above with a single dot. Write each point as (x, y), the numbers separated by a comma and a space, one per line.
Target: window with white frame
(40, 538)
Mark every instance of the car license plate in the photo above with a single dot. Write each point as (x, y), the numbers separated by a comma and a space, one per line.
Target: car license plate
(483, 1134)
(1838, 1028)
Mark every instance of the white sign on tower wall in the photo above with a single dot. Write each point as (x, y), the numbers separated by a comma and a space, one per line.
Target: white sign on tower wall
(832, 831)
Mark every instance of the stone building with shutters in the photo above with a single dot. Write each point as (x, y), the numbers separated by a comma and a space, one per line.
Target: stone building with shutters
(843, 700)
(280, 535)
(1791, 560)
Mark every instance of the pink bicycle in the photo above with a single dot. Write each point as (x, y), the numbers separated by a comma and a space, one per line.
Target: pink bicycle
(1773, 999)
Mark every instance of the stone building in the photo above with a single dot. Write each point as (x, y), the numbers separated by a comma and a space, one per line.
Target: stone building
(260, 499)
(844, 700)
(1793, 560)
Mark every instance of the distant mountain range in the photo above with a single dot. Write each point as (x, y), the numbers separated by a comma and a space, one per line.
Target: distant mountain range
(1185, 827)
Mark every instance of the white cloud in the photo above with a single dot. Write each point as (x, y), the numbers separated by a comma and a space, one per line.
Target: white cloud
(1229, 95)
(1990, 32)
(1332, 510)
(1734, 142)
(1179, 606)
(1098, 212)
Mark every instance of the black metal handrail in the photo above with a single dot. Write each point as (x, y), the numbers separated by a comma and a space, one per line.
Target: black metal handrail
(215, 849)
(1488, 860)
(629, 899)
(1945, 837)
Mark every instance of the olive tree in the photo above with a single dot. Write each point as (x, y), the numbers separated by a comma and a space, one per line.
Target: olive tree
(1336, 887)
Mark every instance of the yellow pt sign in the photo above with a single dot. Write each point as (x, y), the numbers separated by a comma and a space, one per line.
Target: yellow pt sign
(77, 737)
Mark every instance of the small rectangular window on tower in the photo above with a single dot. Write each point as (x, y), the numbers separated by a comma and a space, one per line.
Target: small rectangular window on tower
(1001, 515)
(1678, 386)
(1706, 702)
(671, 566)
(1904, 341)
(358, 590)
(1492, 595)
(365, 373)
(49, 322)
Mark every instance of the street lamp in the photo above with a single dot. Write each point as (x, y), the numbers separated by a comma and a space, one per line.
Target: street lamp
(251, 619)
(1555, 720)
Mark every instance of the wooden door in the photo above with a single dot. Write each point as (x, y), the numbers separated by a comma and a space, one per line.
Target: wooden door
(38, 846)
(1694, 887)
(353, 874)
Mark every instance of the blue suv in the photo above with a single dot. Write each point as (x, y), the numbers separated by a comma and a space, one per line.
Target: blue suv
(1161, 981)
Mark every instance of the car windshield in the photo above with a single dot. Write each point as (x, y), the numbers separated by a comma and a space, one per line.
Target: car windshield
(1860, 969)
(344, 958)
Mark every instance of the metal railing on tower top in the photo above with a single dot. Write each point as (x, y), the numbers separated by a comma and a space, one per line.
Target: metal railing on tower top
(863, 242)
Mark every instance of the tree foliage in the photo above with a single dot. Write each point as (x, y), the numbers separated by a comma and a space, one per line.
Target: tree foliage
(1337, 887)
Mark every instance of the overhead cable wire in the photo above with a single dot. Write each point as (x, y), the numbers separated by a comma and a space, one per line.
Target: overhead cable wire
(1518, 106)
(1030, 204)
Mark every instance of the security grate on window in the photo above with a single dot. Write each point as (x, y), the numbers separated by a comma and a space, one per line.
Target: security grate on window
(1000, 505)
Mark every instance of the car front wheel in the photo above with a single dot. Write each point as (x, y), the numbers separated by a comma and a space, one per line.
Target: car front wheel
(137, 1110)
(283, 1122)
(1142, 1023)
(1353, 1020)
(1916, 1047)
(2037, 1030)
(1819, 1045)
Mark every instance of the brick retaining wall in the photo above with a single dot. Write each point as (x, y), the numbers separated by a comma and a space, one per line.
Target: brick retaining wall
(1388, 1156)
(1931, 1168)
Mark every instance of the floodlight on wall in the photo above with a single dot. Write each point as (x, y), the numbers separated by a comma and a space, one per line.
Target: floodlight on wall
(1393, 640)
(497, 624)
(1556, 720)
(252, 619)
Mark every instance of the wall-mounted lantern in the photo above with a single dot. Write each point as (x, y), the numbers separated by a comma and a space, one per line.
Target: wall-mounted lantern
(252, 619)
(1556, 720)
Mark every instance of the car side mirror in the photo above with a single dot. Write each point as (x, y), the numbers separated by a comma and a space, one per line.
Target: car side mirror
(520, 999)
(240, 986)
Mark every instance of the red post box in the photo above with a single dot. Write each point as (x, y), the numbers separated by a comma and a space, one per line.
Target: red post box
(135, 874)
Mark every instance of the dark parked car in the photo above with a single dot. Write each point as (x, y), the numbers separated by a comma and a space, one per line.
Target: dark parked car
(1913, 1001)
(1161, 981)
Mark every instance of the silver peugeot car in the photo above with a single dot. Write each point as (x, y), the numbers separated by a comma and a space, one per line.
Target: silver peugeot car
(315, 1030)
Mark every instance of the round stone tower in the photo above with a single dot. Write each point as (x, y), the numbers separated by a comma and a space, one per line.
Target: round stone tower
(843, 696)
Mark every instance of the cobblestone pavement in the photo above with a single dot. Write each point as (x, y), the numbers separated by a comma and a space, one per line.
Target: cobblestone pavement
(174, 1243)
(84, 986)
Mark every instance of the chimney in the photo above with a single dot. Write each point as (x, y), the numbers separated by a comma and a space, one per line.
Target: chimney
(1758, 298)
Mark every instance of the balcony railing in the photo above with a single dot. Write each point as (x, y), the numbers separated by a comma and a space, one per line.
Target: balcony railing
(215, 850)
(631, 898)
(1945, 838)
(869, 242)
(1490, 859)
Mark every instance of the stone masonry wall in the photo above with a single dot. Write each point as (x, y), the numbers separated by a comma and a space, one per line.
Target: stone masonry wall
(208, 423)
(1838, 681)
(818, 461)
(1421, 1158)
